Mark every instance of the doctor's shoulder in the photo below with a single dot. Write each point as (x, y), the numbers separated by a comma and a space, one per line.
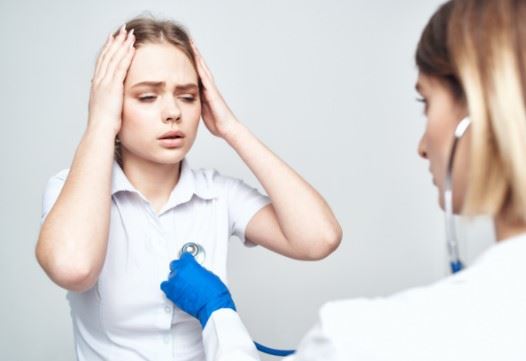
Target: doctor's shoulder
(424, 321)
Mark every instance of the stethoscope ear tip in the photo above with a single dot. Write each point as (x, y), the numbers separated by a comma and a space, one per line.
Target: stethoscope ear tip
(462, 126)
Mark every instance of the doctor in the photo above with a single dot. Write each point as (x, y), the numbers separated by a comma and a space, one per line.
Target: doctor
(472, 62)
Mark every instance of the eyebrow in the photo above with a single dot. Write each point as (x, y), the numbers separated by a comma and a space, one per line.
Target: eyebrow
(162, 84)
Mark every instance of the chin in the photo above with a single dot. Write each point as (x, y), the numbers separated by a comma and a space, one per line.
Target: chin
(171, 157)
(159, 155)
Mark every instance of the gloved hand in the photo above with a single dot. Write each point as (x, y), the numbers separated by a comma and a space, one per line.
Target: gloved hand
(196, 290)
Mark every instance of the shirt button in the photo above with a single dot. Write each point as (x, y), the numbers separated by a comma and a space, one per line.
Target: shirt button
(168, 309)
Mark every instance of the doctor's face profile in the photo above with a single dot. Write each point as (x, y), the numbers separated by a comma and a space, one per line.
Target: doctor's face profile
(161, 94)
(443, 111)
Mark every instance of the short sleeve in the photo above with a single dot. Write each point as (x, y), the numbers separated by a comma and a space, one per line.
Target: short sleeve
(51, 192)
(243, 203)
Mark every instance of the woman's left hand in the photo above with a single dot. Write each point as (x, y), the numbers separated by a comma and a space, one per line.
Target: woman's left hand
(216, 114)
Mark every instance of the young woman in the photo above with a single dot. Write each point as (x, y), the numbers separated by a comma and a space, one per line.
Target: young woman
(113, 221)
(471, 61)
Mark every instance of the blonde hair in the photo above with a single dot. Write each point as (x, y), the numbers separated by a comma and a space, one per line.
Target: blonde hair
(484, 49)
(150, 30)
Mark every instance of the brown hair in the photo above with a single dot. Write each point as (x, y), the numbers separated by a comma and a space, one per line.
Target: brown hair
(479, 48)
(433, 55)
(150, 30)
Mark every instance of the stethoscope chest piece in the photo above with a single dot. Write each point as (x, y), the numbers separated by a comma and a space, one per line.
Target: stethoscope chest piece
(195, 250)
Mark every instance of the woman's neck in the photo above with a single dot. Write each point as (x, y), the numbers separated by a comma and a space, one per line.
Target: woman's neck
(505, 228)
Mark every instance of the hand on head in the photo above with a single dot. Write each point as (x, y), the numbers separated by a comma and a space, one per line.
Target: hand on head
(107, 83)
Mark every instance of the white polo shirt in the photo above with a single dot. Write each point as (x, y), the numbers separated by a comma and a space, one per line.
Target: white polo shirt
(126, 316)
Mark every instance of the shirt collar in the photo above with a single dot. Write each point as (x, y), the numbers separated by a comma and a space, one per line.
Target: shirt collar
(188, 185)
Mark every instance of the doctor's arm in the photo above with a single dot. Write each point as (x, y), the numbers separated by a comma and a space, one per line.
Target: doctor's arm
(298, 223)
(203, 295)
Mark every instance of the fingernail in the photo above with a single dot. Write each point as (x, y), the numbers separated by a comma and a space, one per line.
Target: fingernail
(131, 32)
(123, 27)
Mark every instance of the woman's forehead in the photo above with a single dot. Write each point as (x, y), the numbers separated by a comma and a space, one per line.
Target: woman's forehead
(161, 62)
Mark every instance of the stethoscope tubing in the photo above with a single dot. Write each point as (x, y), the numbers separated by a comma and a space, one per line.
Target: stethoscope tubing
(455, 263)
(199, 254)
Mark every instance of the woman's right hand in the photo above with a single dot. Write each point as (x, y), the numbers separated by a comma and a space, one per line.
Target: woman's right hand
(107, 84)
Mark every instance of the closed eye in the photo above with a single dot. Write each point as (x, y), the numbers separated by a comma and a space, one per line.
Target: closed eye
(151, 98)
(147, 99)
(188, 98)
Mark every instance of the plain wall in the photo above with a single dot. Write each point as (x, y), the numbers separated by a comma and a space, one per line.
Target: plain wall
(327, 85)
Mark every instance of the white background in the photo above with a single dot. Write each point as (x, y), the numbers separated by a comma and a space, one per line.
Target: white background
(328, 86)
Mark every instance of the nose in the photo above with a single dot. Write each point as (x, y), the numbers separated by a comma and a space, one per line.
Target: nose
(171, 111)
(422, 147)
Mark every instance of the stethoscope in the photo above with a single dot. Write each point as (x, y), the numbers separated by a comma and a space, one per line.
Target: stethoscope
(451, 237)
(456, 264)
(199, 254)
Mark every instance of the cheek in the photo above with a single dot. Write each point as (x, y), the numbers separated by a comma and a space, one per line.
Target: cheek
(137, 120)
(133, 112)
(437, 150)
(191, 116)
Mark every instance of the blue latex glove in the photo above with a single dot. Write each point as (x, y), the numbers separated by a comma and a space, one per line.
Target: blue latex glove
(196, 290)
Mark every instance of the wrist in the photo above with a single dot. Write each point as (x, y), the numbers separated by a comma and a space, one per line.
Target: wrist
(101, 129)
(206, 312)
(233, 132)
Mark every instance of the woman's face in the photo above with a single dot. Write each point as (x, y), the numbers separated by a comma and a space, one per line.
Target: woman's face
(443, 113)
(160, 95)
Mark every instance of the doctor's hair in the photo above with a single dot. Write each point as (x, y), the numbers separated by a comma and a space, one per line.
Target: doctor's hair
(478, 48)
(151, 30)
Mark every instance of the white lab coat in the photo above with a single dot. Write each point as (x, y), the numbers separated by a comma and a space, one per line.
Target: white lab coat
(477, 314)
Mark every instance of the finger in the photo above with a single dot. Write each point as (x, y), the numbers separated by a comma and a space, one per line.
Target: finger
(124, 64)
(104, 57)
(177, 264)
(116, 45)
(203, 76)
(174, 265)
(202, 62)
(102, 54)
(202, 69)
(187, 257)
(119, 56)
(165, 287)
